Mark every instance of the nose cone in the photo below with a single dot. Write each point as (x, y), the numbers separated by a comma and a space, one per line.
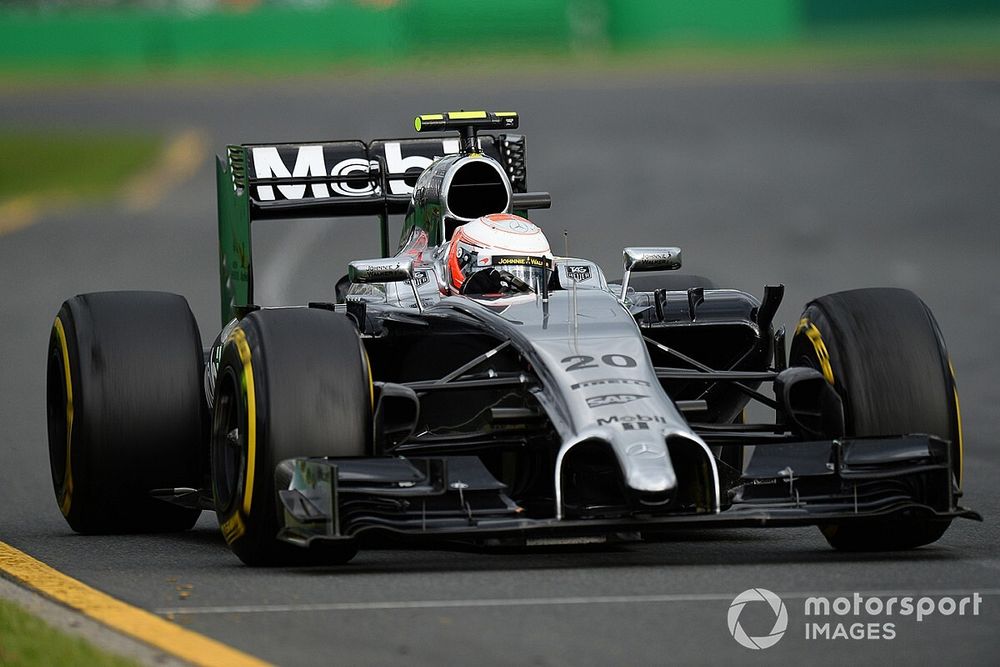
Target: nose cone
(647, 467)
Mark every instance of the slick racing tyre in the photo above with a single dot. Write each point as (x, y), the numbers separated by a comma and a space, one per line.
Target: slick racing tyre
(883, 352)
(291, 383)
(125, 410)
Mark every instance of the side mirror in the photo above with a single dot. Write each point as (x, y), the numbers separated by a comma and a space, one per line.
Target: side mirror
(387, 270)
(648, 259)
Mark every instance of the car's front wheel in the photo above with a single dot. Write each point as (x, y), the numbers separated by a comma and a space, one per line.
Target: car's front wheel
(291, 383)
(883, 352)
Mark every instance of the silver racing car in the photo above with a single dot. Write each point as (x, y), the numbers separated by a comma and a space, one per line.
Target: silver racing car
(472, 385)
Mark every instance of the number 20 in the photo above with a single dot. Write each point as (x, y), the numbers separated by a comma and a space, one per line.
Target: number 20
(581, 361)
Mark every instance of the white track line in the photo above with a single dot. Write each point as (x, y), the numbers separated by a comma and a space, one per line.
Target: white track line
(540, 602)
(992, 564)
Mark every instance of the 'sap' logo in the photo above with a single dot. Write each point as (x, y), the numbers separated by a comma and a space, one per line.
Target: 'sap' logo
(612, 399)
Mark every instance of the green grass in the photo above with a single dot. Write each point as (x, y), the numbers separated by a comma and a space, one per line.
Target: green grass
(27, 641)
(71, 165)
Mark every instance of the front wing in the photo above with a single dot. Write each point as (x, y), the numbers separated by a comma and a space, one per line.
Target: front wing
(786, 484)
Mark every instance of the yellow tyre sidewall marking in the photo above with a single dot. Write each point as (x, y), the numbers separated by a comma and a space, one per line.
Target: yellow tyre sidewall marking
(958, 421)
(136, 623)
(371, 384)
(234, 527)
(67, 499)
(816, 338)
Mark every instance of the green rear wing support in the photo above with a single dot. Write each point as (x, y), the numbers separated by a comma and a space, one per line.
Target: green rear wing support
(233, 199)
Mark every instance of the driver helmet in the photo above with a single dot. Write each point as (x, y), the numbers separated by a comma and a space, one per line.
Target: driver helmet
(498, 254)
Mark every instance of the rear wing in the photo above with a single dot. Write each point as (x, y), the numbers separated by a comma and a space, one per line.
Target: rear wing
(327, 180)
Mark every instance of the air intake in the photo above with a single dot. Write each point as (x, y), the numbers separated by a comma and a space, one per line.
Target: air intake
(477, 188)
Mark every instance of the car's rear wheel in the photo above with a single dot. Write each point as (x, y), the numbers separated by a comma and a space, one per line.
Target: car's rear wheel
(883, 352)
(125, 410)
(291, 383)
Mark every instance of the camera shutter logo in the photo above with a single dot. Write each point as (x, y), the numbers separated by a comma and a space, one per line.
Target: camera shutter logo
(780, 618)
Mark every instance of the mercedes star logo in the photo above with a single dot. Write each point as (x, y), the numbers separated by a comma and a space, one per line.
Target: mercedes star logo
(645, 450)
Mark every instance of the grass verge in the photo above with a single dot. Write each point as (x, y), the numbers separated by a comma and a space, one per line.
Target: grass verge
(27, 641)
(71, 165)
(956, 44)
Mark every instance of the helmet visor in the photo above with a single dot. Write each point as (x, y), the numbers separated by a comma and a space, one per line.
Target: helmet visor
(506, 275)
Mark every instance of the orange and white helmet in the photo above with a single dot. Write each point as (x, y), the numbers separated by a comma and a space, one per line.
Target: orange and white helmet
(511, 254)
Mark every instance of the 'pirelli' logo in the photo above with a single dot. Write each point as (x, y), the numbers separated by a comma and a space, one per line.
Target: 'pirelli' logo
(597, 383)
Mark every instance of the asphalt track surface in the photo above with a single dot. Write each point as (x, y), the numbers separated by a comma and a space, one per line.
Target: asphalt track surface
(823, 183)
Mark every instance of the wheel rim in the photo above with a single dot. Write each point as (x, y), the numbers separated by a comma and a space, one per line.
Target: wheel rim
(56, 416)
(227, 450)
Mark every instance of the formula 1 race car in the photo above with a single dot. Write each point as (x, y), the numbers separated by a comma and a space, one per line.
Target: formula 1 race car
(473, 386)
